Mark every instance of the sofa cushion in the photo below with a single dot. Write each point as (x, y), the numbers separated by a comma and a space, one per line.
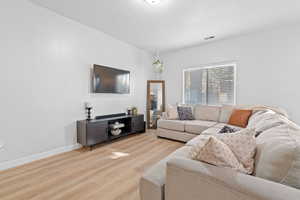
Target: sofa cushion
(176, 125)
(225, 113)
(261, 121)
(198, 126)
(216, 129)
(174, 135)
(278, 154)
(211, 131)
(221, 125)
(207, 113)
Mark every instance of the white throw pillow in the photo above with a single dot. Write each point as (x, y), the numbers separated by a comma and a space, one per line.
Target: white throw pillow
(172, 112)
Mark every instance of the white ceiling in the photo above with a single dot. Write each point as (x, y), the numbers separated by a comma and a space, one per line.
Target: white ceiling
(175, 24)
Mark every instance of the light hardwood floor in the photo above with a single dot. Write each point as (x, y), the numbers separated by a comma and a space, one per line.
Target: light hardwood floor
(109, 172)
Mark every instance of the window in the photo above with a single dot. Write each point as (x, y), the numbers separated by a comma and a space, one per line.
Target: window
(212, 85)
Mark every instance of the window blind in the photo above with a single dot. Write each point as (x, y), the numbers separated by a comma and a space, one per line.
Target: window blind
(212, 86)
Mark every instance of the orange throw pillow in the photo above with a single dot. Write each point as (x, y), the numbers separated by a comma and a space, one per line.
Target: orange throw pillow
(240, 118)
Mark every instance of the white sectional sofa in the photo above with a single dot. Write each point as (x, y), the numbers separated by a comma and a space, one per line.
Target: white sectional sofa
(207, 120)
(277, 163)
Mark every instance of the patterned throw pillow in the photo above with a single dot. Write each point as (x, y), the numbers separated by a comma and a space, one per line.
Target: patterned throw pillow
(227, 129)
(218, 153)
(185, 113)
(241, 144)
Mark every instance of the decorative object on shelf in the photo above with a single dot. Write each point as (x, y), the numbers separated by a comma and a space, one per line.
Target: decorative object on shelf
(88, 108)
(115, 129)
(129, 110)
(134, 111)
(116, 132)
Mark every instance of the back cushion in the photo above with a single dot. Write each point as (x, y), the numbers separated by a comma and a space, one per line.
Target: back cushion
(225, 113)
(261, 121)
(207, 113)
(278, 154)
(256, 117)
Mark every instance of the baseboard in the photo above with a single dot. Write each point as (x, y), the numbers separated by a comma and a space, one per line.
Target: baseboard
(31, 158)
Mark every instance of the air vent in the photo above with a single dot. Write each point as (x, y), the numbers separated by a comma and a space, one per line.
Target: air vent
(210, 37)
(153, 2)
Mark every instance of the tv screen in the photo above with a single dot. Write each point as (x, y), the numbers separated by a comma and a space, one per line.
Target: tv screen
(110, 80)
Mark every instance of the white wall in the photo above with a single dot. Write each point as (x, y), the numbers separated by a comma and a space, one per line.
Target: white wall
(45, 75)
(268, 67)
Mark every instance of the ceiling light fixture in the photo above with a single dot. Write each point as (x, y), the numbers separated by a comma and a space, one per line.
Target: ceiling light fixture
(153, 2)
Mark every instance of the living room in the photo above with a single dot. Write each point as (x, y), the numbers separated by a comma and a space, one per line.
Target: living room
(192, 73)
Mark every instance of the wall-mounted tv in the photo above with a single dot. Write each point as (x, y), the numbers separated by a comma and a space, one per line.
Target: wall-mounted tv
(110, 80)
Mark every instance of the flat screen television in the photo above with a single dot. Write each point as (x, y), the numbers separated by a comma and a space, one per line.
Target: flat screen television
(110, 80)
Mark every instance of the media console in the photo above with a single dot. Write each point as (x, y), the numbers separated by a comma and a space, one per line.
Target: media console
(98, 130)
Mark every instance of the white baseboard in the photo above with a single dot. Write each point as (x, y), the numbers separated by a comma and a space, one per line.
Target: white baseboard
(28, 159)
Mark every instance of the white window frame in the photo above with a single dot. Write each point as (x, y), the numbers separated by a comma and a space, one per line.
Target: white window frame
(225, 64)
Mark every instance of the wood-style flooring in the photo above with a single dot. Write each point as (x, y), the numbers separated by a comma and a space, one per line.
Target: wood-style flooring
(108, 172)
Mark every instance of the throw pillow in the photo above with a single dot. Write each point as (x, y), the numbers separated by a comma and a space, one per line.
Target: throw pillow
(185, 113)
(219, 154)
(227, 129)
(242, 144)
(172, 112)
(240, 118)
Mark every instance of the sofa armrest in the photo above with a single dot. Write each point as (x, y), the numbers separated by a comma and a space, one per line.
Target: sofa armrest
(193, 180)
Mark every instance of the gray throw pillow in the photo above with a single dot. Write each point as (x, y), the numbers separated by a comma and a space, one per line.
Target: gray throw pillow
(185, 113)
(227, 129)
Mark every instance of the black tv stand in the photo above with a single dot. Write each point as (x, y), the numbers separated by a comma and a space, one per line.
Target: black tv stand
(96, 131)
(110, 116)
